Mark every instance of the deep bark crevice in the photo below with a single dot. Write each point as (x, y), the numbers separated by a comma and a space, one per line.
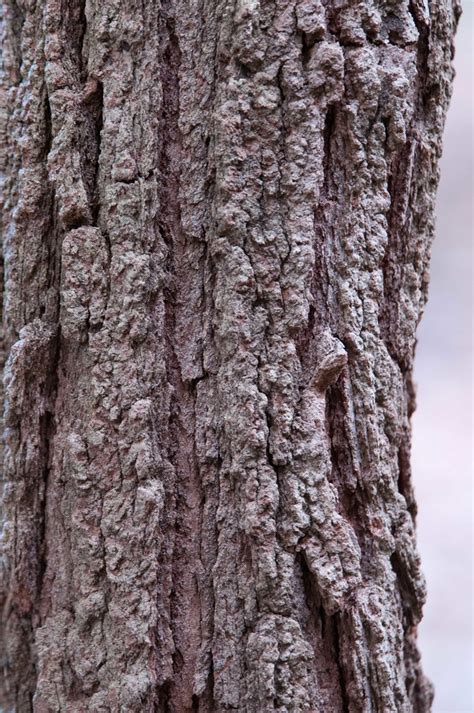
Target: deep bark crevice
(47, 430)
(94, 106)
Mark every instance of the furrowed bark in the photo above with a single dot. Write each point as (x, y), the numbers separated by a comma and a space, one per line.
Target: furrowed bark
(217, 219)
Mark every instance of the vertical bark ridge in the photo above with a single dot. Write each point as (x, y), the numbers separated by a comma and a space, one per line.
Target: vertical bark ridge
(31, 244)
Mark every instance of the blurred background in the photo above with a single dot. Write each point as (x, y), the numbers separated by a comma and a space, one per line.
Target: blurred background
(442, 424)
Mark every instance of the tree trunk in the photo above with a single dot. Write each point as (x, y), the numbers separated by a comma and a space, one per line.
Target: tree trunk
(217, 223)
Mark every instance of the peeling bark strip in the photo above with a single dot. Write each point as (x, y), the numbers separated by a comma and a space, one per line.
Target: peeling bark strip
(217, 218)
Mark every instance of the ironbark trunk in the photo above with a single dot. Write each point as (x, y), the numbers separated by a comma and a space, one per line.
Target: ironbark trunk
(217, 219)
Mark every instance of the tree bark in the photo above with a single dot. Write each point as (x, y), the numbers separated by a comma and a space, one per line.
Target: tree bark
(217, 219)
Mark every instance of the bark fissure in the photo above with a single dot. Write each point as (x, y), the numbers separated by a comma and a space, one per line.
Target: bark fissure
(47, 432)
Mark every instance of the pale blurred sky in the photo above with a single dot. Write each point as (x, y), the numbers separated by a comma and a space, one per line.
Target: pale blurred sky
(442, 437)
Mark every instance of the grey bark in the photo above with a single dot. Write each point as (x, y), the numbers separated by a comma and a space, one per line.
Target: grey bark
(217, 217)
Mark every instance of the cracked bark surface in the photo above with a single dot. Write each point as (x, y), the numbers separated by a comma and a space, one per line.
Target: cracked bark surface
(217, 219)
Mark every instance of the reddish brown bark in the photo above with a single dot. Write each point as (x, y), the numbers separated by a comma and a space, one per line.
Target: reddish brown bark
(216, 229)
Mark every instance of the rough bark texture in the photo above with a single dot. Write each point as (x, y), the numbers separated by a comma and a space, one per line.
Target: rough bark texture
(216, 227)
